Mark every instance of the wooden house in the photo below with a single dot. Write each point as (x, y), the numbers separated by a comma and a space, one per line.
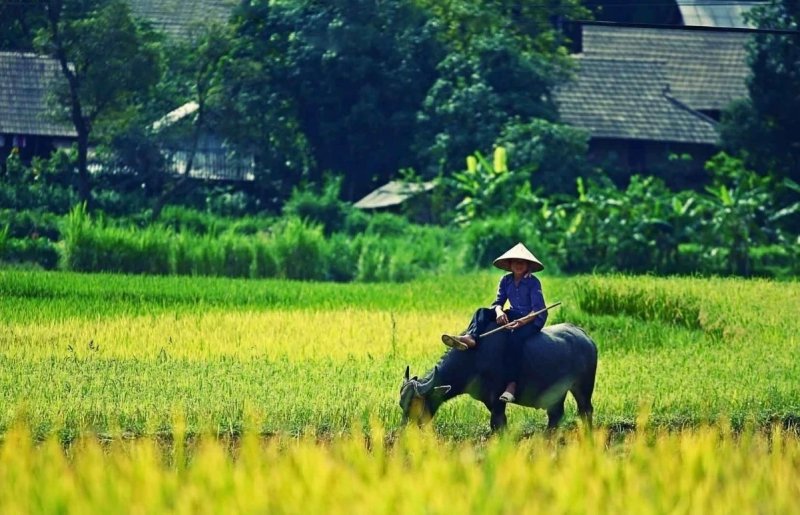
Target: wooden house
(27, 125)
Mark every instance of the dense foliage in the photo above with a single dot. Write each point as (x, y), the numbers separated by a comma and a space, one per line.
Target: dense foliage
(739, 225)
(765, 128)
(333, 98)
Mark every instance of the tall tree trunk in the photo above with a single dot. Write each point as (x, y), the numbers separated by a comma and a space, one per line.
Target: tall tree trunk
(81, 123)
(84, 186)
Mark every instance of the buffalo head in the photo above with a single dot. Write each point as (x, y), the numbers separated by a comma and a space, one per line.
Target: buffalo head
(415, 397)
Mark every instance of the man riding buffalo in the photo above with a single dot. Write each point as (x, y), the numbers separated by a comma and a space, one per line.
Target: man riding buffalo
(530, 365)
(523, 291)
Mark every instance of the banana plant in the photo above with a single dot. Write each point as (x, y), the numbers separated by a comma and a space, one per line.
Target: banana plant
(485, 186)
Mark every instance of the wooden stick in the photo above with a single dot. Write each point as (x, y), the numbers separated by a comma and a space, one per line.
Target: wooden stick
(526, 318)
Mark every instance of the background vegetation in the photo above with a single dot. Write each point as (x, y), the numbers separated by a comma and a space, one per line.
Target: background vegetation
(332, 99)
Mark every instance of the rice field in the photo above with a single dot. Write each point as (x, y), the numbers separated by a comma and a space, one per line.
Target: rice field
(149, 394)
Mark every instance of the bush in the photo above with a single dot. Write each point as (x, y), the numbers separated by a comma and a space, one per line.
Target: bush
(373, 260)
(239, 256)
(182, 219)
(199, 255)
(487, 239)
(555, 154)
(387, 225)
(31, 224)
(342, 258)
(299, 250)
(38, 252)
(356, 222)
(264, 262)
(776, 260)
(93, 247)
(56, 199)
(323, 208)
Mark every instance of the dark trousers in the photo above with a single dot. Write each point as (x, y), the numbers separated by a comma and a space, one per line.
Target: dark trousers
(512, 356)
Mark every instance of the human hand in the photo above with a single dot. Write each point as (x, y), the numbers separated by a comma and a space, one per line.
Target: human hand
(502, 317)
(515, 324)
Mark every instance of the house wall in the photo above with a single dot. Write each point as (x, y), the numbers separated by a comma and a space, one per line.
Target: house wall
(623, 158)
(29, 146)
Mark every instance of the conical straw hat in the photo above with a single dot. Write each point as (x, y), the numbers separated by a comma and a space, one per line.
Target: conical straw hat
(518, 251)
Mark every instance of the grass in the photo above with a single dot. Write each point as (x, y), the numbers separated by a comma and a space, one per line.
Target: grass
(202, 395)
(103, 352)
(704, 470)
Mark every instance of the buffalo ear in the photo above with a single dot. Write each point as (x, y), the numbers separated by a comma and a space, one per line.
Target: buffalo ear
(443, 389)
(407, 371)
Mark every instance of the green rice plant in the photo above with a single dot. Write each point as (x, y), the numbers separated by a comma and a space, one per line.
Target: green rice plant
(647, 300)
(707, 470)
(84, 353)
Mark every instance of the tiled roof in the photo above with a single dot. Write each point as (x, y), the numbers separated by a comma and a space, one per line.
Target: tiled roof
(706, 69)
(25, 83)
(393, 193)
(175, 17)
(624, 99)
(720, 13)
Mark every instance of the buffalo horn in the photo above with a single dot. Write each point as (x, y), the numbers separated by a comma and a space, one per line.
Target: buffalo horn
(422, 389)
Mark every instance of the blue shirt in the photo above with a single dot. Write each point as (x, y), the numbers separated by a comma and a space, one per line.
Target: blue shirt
(524, 298)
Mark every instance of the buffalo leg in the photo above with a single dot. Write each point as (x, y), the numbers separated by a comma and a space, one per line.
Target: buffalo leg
(585, 408)
(555, 413)
(583, 397)
(498, 420)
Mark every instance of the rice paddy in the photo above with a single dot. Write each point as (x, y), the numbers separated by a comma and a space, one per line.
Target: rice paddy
(147, 394)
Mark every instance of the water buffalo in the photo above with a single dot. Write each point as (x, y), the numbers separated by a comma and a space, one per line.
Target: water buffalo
(560, 359)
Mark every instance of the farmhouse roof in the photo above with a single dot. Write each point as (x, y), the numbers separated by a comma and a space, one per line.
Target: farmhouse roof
(705, 68)
(176, 17)
(175, 115)
(25, 82)
(622, 99)
(720, 13)
(393, 193)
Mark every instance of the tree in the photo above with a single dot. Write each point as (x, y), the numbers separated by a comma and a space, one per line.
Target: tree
(555, 153)
(108, 61)
(528, 27)
(329, 86)
(477, 95)
(505, 58)
(19, 26)
(197, 60)
(765, 128)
